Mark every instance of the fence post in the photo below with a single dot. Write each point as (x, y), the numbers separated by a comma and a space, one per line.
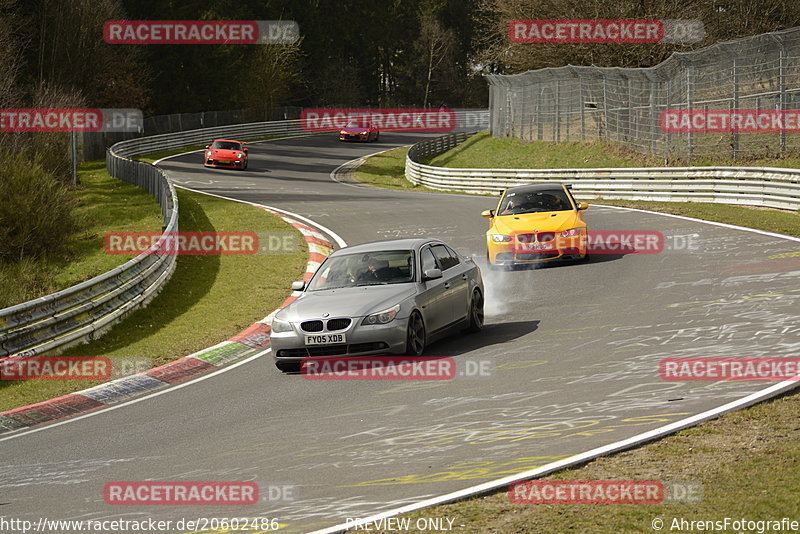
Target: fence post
(581, 105)
(735, 105)
(557, 114)
(782, 85)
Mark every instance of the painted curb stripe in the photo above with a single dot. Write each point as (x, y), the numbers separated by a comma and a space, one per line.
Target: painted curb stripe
(7, 424)
(246, 344)
(53, 410)
(179, 370)
(123, 388)
(255, 337)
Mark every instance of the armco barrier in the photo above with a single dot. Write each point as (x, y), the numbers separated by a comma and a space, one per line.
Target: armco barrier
(82, 312)
(751, 186)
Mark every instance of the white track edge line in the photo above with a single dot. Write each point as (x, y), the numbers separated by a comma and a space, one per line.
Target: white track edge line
(25, 432)
(573, 460)
(714, 223)
(173, 387)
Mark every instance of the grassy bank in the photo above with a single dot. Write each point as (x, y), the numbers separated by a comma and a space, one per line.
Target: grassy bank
(482, 151)
(748, 463)
(104, 204)
(388, 170)
(207, 300)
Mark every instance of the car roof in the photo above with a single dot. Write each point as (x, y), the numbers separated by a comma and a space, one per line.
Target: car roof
(390, 244)
(535, 187)
(228, 141)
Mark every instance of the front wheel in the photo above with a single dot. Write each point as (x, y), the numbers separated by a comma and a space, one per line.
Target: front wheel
(415, 335)
(475, 323)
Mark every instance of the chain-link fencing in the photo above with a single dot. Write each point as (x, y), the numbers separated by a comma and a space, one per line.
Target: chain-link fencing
(628, 105)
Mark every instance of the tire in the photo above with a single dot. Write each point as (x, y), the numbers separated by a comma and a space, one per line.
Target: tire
(475, 314)
(288, 367)
(415, 335)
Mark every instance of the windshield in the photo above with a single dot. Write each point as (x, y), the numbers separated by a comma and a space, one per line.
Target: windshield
(534, 202)
(226, 145)
(373, 268)
(358, 123)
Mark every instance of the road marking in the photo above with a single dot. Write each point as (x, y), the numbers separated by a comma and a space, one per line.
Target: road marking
(341, 242)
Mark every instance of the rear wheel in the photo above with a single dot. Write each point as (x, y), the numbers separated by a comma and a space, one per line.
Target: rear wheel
(475, 312)
(415, 335)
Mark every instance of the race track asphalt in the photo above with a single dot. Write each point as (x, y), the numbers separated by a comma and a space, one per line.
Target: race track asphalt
(574, 352)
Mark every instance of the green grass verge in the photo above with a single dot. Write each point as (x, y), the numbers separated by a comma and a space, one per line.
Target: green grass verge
(207, 300)
(105, 204)
(748, 463)
(782, 222)
(482, 151)
(387, 169)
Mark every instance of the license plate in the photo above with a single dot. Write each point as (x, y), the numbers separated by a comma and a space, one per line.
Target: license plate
(223, 161)
(325, 339)
(536, 246)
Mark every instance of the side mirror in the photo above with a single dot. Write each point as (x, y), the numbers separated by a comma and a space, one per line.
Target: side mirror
(431, 274)
(487, 213)
(298, 286)
(245, 150)
(583, 206)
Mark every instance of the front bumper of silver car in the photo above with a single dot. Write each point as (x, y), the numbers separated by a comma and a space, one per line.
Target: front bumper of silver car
(360, 340)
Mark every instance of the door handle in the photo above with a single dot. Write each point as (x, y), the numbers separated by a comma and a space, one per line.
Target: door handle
(464, 276)
(447, 285)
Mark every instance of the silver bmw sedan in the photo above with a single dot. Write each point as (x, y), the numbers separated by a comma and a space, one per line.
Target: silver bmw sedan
(387, 297)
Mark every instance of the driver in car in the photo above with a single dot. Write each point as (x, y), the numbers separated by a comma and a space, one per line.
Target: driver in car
(379, 271)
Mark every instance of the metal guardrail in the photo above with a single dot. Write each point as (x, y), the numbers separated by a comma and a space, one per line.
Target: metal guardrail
(84, 311)
(751, 186)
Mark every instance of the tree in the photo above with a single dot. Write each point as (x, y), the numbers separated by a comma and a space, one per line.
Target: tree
(434, 45)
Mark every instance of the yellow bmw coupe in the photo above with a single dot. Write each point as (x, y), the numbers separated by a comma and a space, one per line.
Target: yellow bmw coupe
(536, 223)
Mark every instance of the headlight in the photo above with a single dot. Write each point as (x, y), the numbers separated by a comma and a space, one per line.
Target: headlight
(239, 155)
(382, 317)
(364, 132)
(499, 238)
(209, 154)
(572, 232)
(281, 326)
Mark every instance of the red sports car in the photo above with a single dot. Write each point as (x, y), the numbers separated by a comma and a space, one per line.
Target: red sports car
(226, 153)
(359, 131)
